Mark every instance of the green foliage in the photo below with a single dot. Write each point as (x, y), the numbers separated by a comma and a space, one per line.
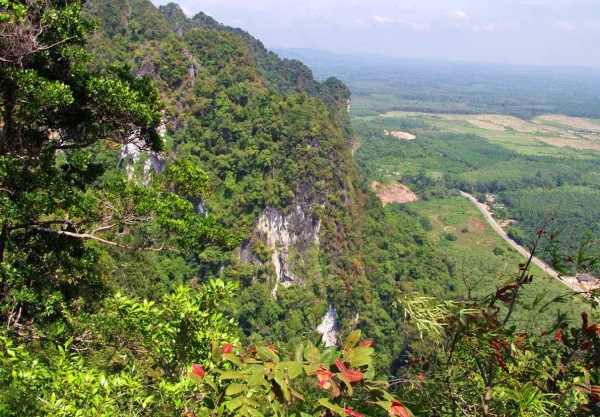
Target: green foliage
(259, 381)
(470, 361)
(130, 355)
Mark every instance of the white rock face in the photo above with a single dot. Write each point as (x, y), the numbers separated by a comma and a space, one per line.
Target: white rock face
(130, 155)
(132, 151)
(276, 230)
(329, 327)
(280, 233)
(154, 163)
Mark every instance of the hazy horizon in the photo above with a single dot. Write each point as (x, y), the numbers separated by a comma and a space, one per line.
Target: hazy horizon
(530, 32)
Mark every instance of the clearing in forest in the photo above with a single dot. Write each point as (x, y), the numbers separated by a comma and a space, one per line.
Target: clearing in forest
(400, 135)
(393, 193)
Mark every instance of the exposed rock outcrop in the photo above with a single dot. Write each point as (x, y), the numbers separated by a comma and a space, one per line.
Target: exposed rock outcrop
(281, 233)
(132, 151)
(329, 327)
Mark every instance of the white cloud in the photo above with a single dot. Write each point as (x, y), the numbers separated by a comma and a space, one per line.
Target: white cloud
(382, 19)
(457, 15)
(416, 26)
(187, 11)
(566, 26)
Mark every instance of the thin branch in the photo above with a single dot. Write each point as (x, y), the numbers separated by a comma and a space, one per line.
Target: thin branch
(99, 239)
(77, 235)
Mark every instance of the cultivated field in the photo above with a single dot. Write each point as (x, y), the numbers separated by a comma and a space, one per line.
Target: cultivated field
(548, 135)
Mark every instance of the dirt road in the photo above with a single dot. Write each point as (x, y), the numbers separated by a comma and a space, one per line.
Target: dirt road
(570, 282)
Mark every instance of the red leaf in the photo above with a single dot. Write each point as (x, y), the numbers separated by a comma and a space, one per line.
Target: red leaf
(272, 348)
(584, 318)
(323, 375)
(585, 345)
(197, 369)
(336, 390)
(366, 343)
(350, 412)
(558, 335)
(594, 328)
(353, 376)
(340, 365)
(500, 360)
(506, 288)
(421, 376)
(325, 384)
(397, 409)
(228, 348)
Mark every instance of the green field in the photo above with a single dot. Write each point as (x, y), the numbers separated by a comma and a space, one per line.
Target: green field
(479, 270)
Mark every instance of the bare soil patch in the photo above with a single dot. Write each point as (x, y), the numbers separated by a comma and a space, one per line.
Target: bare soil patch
(400, 135)
(476, 225)
(393, 193)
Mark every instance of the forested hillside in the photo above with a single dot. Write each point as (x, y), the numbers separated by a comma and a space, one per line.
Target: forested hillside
(180, 213)
(274, 143)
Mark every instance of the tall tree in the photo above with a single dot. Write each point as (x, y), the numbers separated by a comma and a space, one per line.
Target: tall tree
(55, 115)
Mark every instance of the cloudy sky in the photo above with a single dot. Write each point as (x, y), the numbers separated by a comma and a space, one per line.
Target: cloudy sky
(536, 32)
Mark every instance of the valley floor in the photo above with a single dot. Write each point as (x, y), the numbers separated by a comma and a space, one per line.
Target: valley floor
(570, 282)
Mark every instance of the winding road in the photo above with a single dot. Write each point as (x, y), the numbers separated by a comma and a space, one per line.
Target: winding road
(570, 282)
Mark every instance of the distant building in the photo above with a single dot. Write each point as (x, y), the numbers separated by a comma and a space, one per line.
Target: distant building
(587, 279)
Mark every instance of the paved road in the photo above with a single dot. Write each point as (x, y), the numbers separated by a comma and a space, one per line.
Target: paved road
(568, 281)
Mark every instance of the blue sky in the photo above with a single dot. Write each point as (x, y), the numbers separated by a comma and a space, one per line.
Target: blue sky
(534, 32)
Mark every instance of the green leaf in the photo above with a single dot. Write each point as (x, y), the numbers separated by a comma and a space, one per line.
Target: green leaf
(312, 355)
(329, 355)
(211, 383)
(267, 354)
(233, 359)
(257, 377)
(360, 356)
(234, 389)
(370, 373)
(216, 352)
(280, 378)
(342, 378)
(335, 408)
(352, 339)
(235, 403)
(233, 375)
(251, 412)
(294, 369)
(298, 353)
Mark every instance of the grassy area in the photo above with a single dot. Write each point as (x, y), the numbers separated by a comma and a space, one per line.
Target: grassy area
(484, 261)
